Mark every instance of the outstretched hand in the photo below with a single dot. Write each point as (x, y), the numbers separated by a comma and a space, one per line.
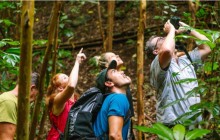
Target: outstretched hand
(80, 56)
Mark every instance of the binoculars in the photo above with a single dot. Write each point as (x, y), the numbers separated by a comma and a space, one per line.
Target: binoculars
(175, 21)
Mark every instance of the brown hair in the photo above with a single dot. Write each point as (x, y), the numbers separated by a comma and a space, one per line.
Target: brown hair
(51, 90)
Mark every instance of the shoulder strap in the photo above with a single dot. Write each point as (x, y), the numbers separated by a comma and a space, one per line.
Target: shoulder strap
(180, 46)
(127, 116)
(54, 126)
(188, 56)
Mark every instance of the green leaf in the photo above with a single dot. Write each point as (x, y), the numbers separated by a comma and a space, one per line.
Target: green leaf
(196, 133)
(187, 15)
(164, 131)
(11, 59)
(13, 51)
(9, 41)
(179, 132)
(40, 42)
(7, 5)
(187, 80)
(14, 43)
(92, 1)
(216, 110)
(213, 79)
(153, 131)
(174, 74)
(68, 33)
(209, 66)
(8, 22)
(61, 25)
(166, 7)
(215, 35)
(93, 61)
(63, 17)
(2, 43)
(192, 92)
(200, 13)
(172, 103)
(207, 34)
(206, 42)
(64, 53)
(185, 117)
(130, 41)
(173, 10)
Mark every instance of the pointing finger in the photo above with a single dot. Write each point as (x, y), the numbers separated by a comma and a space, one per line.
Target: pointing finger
(81, 50)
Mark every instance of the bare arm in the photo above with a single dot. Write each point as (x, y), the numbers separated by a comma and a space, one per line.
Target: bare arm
(203, 49)
(115, 127)
(62, 97)
(7, 131)
(167, 48)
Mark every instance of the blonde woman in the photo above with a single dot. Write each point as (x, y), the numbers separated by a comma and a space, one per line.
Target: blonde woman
(60, 98)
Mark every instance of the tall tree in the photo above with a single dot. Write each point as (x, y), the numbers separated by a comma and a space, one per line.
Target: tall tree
(54, 58)
(52, 30)
(193, 7)
(140, 64)
(27, 21)
(100, 27)
(111, 11)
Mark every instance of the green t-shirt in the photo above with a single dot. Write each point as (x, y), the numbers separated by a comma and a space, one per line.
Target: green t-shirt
(8, 108)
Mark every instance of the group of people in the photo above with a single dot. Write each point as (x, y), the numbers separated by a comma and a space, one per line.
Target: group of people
(110, 119)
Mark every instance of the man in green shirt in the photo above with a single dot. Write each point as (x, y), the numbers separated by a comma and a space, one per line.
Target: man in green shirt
(8, 109)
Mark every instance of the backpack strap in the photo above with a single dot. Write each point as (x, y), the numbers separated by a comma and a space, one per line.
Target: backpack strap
(54, 126)
(127, 116)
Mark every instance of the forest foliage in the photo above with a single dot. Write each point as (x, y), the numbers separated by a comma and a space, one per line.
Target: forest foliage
(209, 76)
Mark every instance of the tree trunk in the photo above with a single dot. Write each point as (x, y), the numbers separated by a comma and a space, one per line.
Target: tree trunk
(193, 8)
(45, 113)
(55, 50)
(25, 69)
(100, 27)
(111, 8)
(41, 129)
(140, 64)
(53, 25)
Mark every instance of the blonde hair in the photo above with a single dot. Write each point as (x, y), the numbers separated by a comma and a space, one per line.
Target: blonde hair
(103, 60)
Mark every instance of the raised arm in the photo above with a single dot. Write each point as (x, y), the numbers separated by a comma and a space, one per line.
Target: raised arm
(203, 49)
(64, 95)
(166, 50)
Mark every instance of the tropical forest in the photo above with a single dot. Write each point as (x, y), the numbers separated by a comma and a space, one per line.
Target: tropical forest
(52, 37)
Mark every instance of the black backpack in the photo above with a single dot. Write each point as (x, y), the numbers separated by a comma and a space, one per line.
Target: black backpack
(82, 115)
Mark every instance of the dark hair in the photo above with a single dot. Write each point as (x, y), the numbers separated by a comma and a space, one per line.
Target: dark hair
(149, 48)
(35, 79)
